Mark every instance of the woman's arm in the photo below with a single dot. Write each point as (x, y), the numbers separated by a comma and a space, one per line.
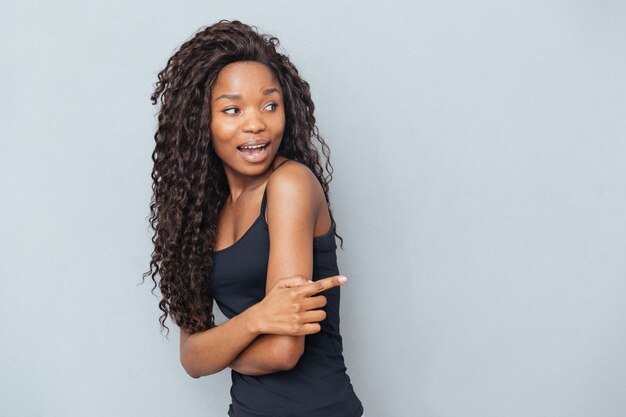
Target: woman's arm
(210, 351)
(293, 197)
(269, 353)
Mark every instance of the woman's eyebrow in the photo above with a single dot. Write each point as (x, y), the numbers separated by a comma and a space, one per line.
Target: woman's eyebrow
(270, 91)
(266, 92)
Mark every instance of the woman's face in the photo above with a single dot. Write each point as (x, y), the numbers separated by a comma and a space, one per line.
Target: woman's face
(247, 117)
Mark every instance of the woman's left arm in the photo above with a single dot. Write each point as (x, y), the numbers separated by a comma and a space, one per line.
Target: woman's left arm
(293, 193)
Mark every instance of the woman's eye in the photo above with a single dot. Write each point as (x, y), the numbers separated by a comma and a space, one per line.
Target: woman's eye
(273, 104)
(234, 110)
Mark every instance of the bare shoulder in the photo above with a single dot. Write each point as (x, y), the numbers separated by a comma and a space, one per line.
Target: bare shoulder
(293, 190)
(293, 179)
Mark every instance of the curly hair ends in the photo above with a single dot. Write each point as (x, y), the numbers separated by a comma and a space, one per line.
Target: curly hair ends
(188, 181)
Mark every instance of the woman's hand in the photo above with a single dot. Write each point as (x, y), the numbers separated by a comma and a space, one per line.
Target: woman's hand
(289, 308)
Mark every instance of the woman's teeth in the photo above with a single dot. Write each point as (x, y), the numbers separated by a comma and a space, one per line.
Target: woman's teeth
(253, 148)
(254, 153)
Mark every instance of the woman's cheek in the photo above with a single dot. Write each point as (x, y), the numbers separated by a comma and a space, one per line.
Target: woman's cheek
(220, 131)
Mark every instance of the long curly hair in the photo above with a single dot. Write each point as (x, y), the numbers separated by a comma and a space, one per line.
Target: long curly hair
(189, 184)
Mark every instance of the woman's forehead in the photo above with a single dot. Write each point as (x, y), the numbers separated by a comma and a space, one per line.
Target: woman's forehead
(244, 77)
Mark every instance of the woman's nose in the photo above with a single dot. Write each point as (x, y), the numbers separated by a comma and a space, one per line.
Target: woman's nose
(253, 122)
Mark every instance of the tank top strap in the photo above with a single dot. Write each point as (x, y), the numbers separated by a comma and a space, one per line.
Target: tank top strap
(281, 164)
(264, 201)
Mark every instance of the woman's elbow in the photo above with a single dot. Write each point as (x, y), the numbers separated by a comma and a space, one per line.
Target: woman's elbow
(290, 362)
(193, 368)
(195, 373)
(188, 368)
(289, 352)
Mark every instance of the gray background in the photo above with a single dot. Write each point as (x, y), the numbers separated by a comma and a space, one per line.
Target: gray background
(479, 185)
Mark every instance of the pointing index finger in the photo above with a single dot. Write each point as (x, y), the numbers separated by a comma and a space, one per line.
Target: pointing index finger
(323, 285)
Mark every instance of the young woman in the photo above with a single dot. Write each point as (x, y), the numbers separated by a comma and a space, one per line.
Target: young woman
(241, 216)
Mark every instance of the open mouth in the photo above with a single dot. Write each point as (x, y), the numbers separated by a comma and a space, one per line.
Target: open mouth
(254, 153)
(253, 149)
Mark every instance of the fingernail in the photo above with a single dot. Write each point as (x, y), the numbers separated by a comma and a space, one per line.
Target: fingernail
(310, 280)
(342, 279)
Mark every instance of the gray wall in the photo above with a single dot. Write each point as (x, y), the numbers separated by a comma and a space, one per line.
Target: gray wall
(479, 185)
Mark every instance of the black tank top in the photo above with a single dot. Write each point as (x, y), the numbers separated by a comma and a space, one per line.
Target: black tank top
(318, 385)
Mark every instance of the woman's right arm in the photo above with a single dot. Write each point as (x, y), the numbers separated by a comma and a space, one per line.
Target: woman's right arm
(285, 310)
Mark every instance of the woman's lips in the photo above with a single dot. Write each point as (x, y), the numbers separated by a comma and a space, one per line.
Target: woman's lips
(255, 153)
